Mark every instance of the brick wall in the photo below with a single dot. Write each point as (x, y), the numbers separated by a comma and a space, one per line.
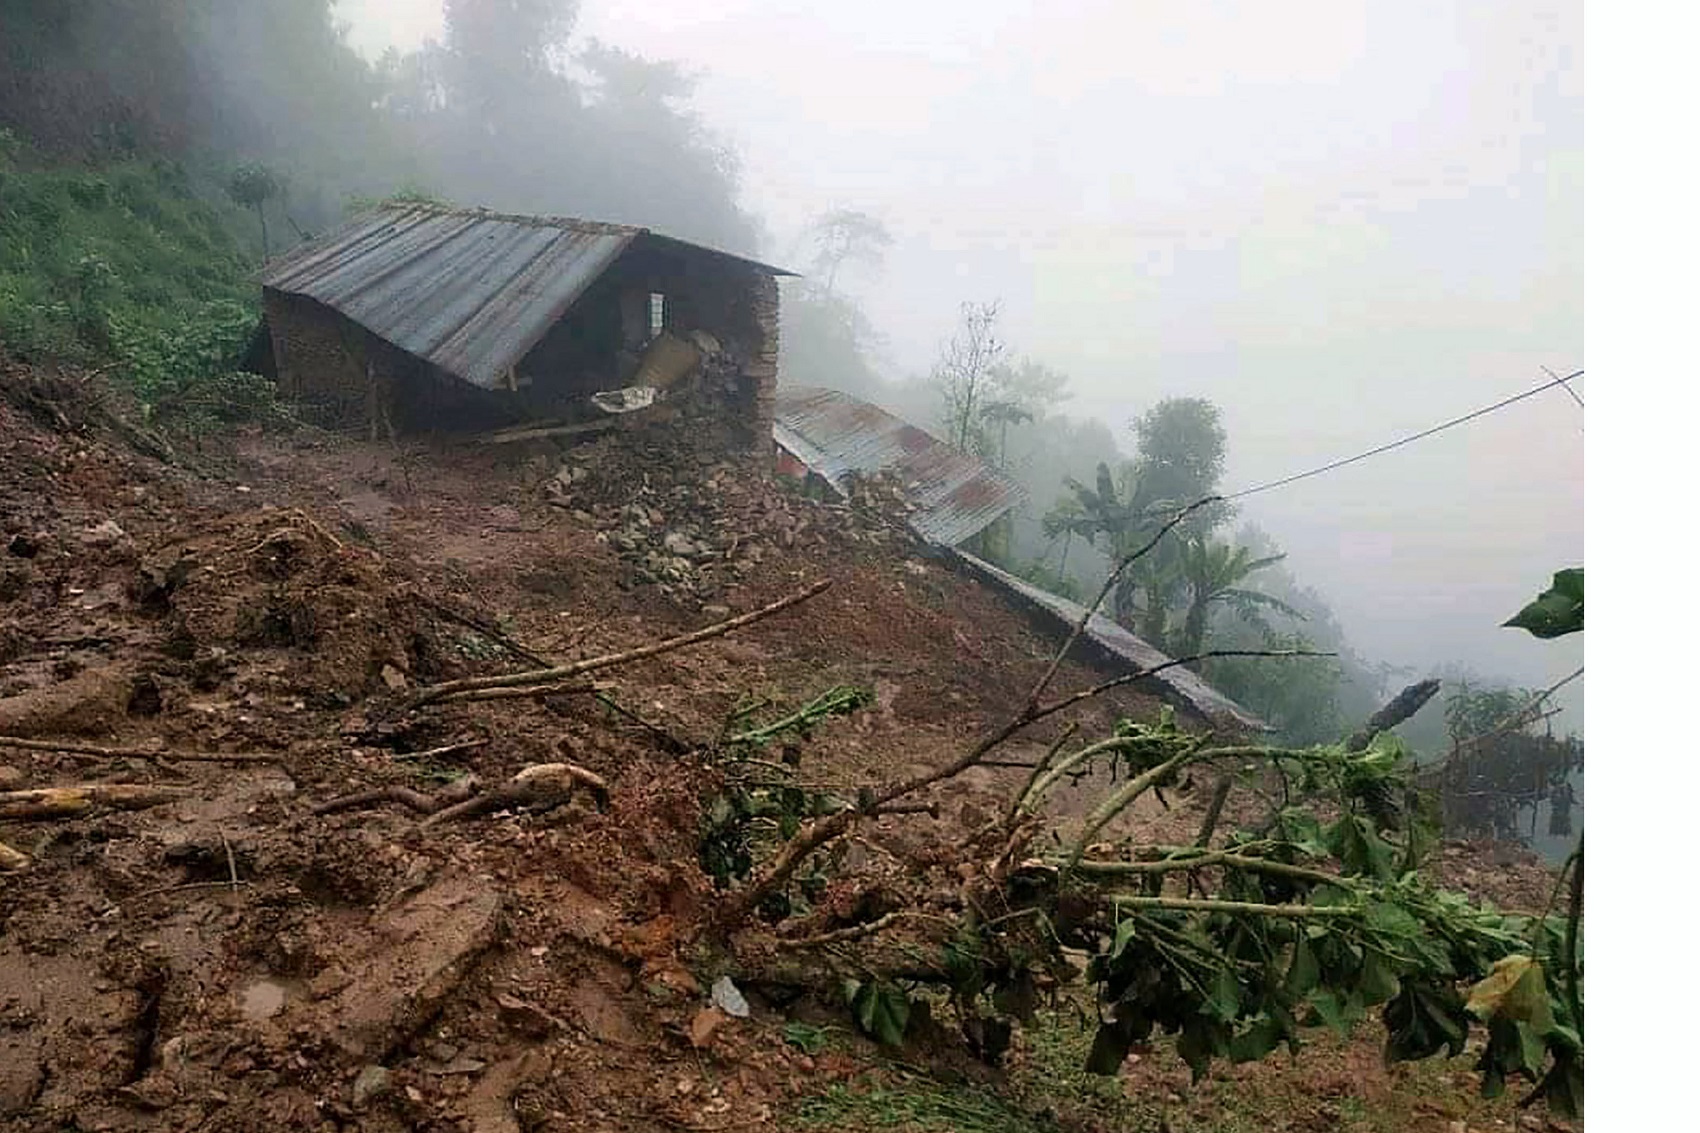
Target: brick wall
(762, 370)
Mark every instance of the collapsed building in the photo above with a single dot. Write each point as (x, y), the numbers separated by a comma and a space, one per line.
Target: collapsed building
(954, 498)
(416, 318)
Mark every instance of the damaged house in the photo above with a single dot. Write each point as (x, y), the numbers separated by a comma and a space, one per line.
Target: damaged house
(417, 318)
(954, 498)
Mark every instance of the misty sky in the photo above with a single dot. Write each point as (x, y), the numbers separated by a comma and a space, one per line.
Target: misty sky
(1339, 221)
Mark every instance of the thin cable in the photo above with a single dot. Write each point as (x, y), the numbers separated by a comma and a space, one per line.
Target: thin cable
(1566, 381)
(1391, 445)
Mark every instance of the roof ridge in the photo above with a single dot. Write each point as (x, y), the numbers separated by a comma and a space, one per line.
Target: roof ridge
(600, 227)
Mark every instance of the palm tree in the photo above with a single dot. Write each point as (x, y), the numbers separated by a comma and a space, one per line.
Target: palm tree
(1212, 574)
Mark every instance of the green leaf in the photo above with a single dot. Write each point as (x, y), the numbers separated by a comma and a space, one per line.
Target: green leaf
(1332, 1011)
(1224, 996)
(1201, 1040)
(1124, 933)
(1391, 920)
(1376, 982)
(1257, 1041)
(1303, 973)
(1531, 1046)
(1305, 833)
(1557, 611)
(882, 1011)
(1110, 1046)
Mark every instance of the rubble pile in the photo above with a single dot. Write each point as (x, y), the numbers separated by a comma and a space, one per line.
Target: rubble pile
(689, 517)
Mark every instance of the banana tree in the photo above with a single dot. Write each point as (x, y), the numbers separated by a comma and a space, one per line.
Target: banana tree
(1124, 518)
(1212, 574)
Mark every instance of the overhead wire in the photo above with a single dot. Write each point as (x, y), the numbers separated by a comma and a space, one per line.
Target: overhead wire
(1402, 441)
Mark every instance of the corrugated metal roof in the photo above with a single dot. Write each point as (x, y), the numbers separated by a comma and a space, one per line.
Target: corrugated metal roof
(468, 290)
(1115, 638)
(955, 496)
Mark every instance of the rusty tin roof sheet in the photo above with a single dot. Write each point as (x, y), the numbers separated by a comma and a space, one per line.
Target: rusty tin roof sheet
(468, 290)
(955, 496)
(1114, 638)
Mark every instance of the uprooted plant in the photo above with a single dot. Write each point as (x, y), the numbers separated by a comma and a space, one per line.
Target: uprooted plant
(1311, 914)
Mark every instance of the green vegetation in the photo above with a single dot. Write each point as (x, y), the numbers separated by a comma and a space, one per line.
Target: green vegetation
(129, 269)
(913, 1107)
(91, 257)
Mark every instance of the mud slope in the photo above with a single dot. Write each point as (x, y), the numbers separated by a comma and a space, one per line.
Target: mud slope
(230, 959)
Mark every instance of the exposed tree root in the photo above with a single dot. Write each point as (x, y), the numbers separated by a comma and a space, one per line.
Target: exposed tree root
(540, 786)
(414, 800)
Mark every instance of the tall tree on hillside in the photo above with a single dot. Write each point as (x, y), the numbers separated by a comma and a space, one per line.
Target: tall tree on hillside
(843, 236)
(1213, 574)
(1182, 451)
(252, 185)
(966, 375)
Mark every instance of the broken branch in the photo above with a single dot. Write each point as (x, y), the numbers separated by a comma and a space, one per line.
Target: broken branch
(67, 748)
(608, 660)
(838, 936)
(533, 691)
(407, 796)
(1207, 905)
(446, 749)
(69, 802)
(1201, 861)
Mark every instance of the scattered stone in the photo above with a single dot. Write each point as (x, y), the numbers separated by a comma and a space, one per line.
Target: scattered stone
(425, 948)
(393, 678)
(104, 534)
(373, 1082)
(729, 999)
(703, 1025)
(454, 1066)
(526, 1018)
(23, 546)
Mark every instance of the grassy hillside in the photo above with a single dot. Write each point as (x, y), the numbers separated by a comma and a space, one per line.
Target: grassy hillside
(135, 266)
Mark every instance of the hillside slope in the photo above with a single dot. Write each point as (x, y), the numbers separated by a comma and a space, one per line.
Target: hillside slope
(190, 965)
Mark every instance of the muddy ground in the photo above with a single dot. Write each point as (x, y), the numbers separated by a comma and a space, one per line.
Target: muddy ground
(232, 960)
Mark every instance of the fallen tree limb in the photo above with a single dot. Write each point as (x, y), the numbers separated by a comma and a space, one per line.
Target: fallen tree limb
(670, 743)
(69, 802)
(12, 860)
(838, 936)
(542, 785)
(608, 660)
(407, 796)
(1206, 905)
(561, 688)
(70, 748)
(1200, 861)
(509, 436)
(1395, 712)
(446, 749)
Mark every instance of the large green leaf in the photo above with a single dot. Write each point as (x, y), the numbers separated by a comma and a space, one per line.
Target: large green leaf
(882, 1011)
(1557, 611)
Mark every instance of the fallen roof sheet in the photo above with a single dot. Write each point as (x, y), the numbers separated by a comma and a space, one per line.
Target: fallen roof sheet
(955, 496)
(468, 290)
(1115, 639)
